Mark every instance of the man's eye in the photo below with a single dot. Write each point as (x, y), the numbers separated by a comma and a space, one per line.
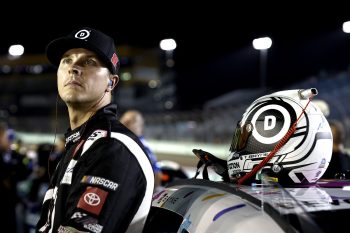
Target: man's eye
(90, 62)
(66, 60)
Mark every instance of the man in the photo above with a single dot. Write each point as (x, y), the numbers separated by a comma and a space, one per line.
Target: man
(104, 182)
(134, 120)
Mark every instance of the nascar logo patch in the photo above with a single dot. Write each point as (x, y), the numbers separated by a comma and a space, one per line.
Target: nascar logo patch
(95, 180)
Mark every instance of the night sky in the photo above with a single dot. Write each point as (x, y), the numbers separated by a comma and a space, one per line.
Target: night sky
(214, 54)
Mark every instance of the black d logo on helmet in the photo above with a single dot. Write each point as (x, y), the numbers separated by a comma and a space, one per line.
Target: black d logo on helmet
(305, 155)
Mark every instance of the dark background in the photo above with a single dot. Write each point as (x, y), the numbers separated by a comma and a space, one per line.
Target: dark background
(214, 53)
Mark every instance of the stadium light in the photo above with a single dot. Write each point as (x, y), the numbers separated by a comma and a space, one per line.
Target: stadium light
(16, 50)
(346, 27)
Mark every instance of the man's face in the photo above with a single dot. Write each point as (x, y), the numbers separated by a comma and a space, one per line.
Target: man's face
(82, 78)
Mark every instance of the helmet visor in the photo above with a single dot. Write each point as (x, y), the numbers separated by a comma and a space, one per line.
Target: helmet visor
(240, 137)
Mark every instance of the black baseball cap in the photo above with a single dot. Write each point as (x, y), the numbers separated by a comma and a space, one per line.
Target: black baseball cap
(88, 38)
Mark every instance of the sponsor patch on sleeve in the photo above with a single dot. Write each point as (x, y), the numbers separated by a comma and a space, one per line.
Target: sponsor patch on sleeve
(88, 222)
(96, 228)
(99, 181)
(64, 229)
(92, 200)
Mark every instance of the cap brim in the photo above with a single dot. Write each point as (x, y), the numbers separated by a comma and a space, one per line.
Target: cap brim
(56, 49)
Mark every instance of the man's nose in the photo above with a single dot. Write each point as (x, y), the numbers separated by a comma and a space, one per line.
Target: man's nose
(75, 70)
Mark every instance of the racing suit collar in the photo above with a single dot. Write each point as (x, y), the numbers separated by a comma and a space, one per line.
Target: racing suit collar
(73, 136)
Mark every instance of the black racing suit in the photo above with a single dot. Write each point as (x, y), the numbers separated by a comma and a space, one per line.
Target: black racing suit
(103, 183)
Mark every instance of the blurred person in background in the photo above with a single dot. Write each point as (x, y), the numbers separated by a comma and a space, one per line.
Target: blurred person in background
(38, 183)
(104, 181)
(57, 154)
(339, 166)
(134, 120)
(12, 171)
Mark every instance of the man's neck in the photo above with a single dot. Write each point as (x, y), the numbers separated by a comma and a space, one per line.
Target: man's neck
(79, 114)
(77, 118)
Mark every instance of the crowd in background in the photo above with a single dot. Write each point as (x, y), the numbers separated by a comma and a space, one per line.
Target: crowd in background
(24, 178)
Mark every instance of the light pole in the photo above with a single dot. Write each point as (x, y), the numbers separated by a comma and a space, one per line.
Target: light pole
(168, 96)
(168, 45)
(262, 44)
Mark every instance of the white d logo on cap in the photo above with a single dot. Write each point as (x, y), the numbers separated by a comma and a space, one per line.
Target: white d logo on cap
(82, 34)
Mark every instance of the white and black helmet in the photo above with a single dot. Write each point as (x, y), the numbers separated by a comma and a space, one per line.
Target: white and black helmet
(302, 158)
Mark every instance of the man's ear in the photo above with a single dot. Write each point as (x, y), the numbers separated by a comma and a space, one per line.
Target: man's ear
(113, 81)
